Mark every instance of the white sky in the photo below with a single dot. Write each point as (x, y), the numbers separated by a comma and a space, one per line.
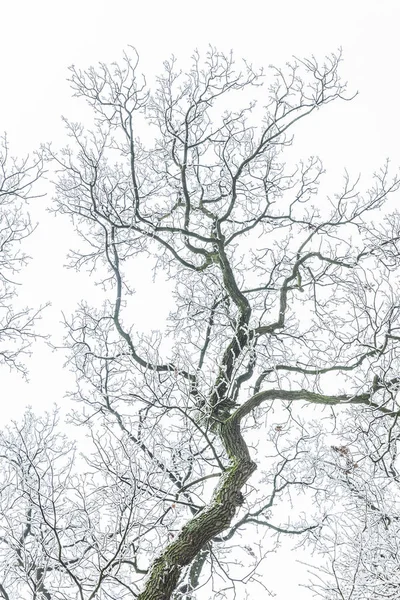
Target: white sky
(39, 39)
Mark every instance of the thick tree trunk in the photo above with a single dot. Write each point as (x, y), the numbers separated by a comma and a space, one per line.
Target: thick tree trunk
(210, 522)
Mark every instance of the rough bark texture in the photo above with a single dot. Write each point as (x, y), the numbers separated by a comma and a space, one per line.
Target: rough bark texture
(211, 521)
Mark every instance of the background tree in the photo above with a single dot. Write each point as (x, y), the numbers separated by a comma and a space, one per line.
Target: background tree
(16, 180)
(285, 312)
(360, 541)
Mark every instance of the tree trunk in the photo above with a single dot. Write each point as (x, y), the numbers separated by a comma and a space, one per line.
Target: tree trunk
(210, 522)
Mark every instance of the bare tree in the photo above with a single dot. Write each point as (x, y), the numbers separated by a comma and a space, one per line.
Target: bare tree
(16, 180)
(360, 541)
(62, 532)
(285, 311)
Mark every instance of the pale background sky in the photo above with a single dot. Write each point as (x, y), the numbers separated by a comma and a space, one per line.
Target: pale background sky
(41, 38)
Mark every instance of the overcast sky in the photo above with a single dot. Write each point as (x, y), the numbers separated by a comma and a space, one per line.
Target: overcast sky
(41, 38)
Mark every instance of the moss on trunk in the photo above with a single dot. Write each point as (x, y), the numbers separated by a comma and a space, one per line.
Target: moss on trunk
(214, 519)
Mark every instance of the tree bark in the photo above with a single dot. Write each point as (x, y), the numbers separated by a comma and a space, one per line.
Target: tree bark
(210, 522)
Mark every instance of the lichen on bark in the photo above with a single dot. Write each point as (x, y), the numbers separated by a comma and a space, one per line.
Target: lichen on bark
(211, 521)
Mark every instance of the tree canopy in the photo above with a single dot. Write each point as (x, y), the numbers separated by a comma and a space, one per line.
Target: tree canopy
(266, 406)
